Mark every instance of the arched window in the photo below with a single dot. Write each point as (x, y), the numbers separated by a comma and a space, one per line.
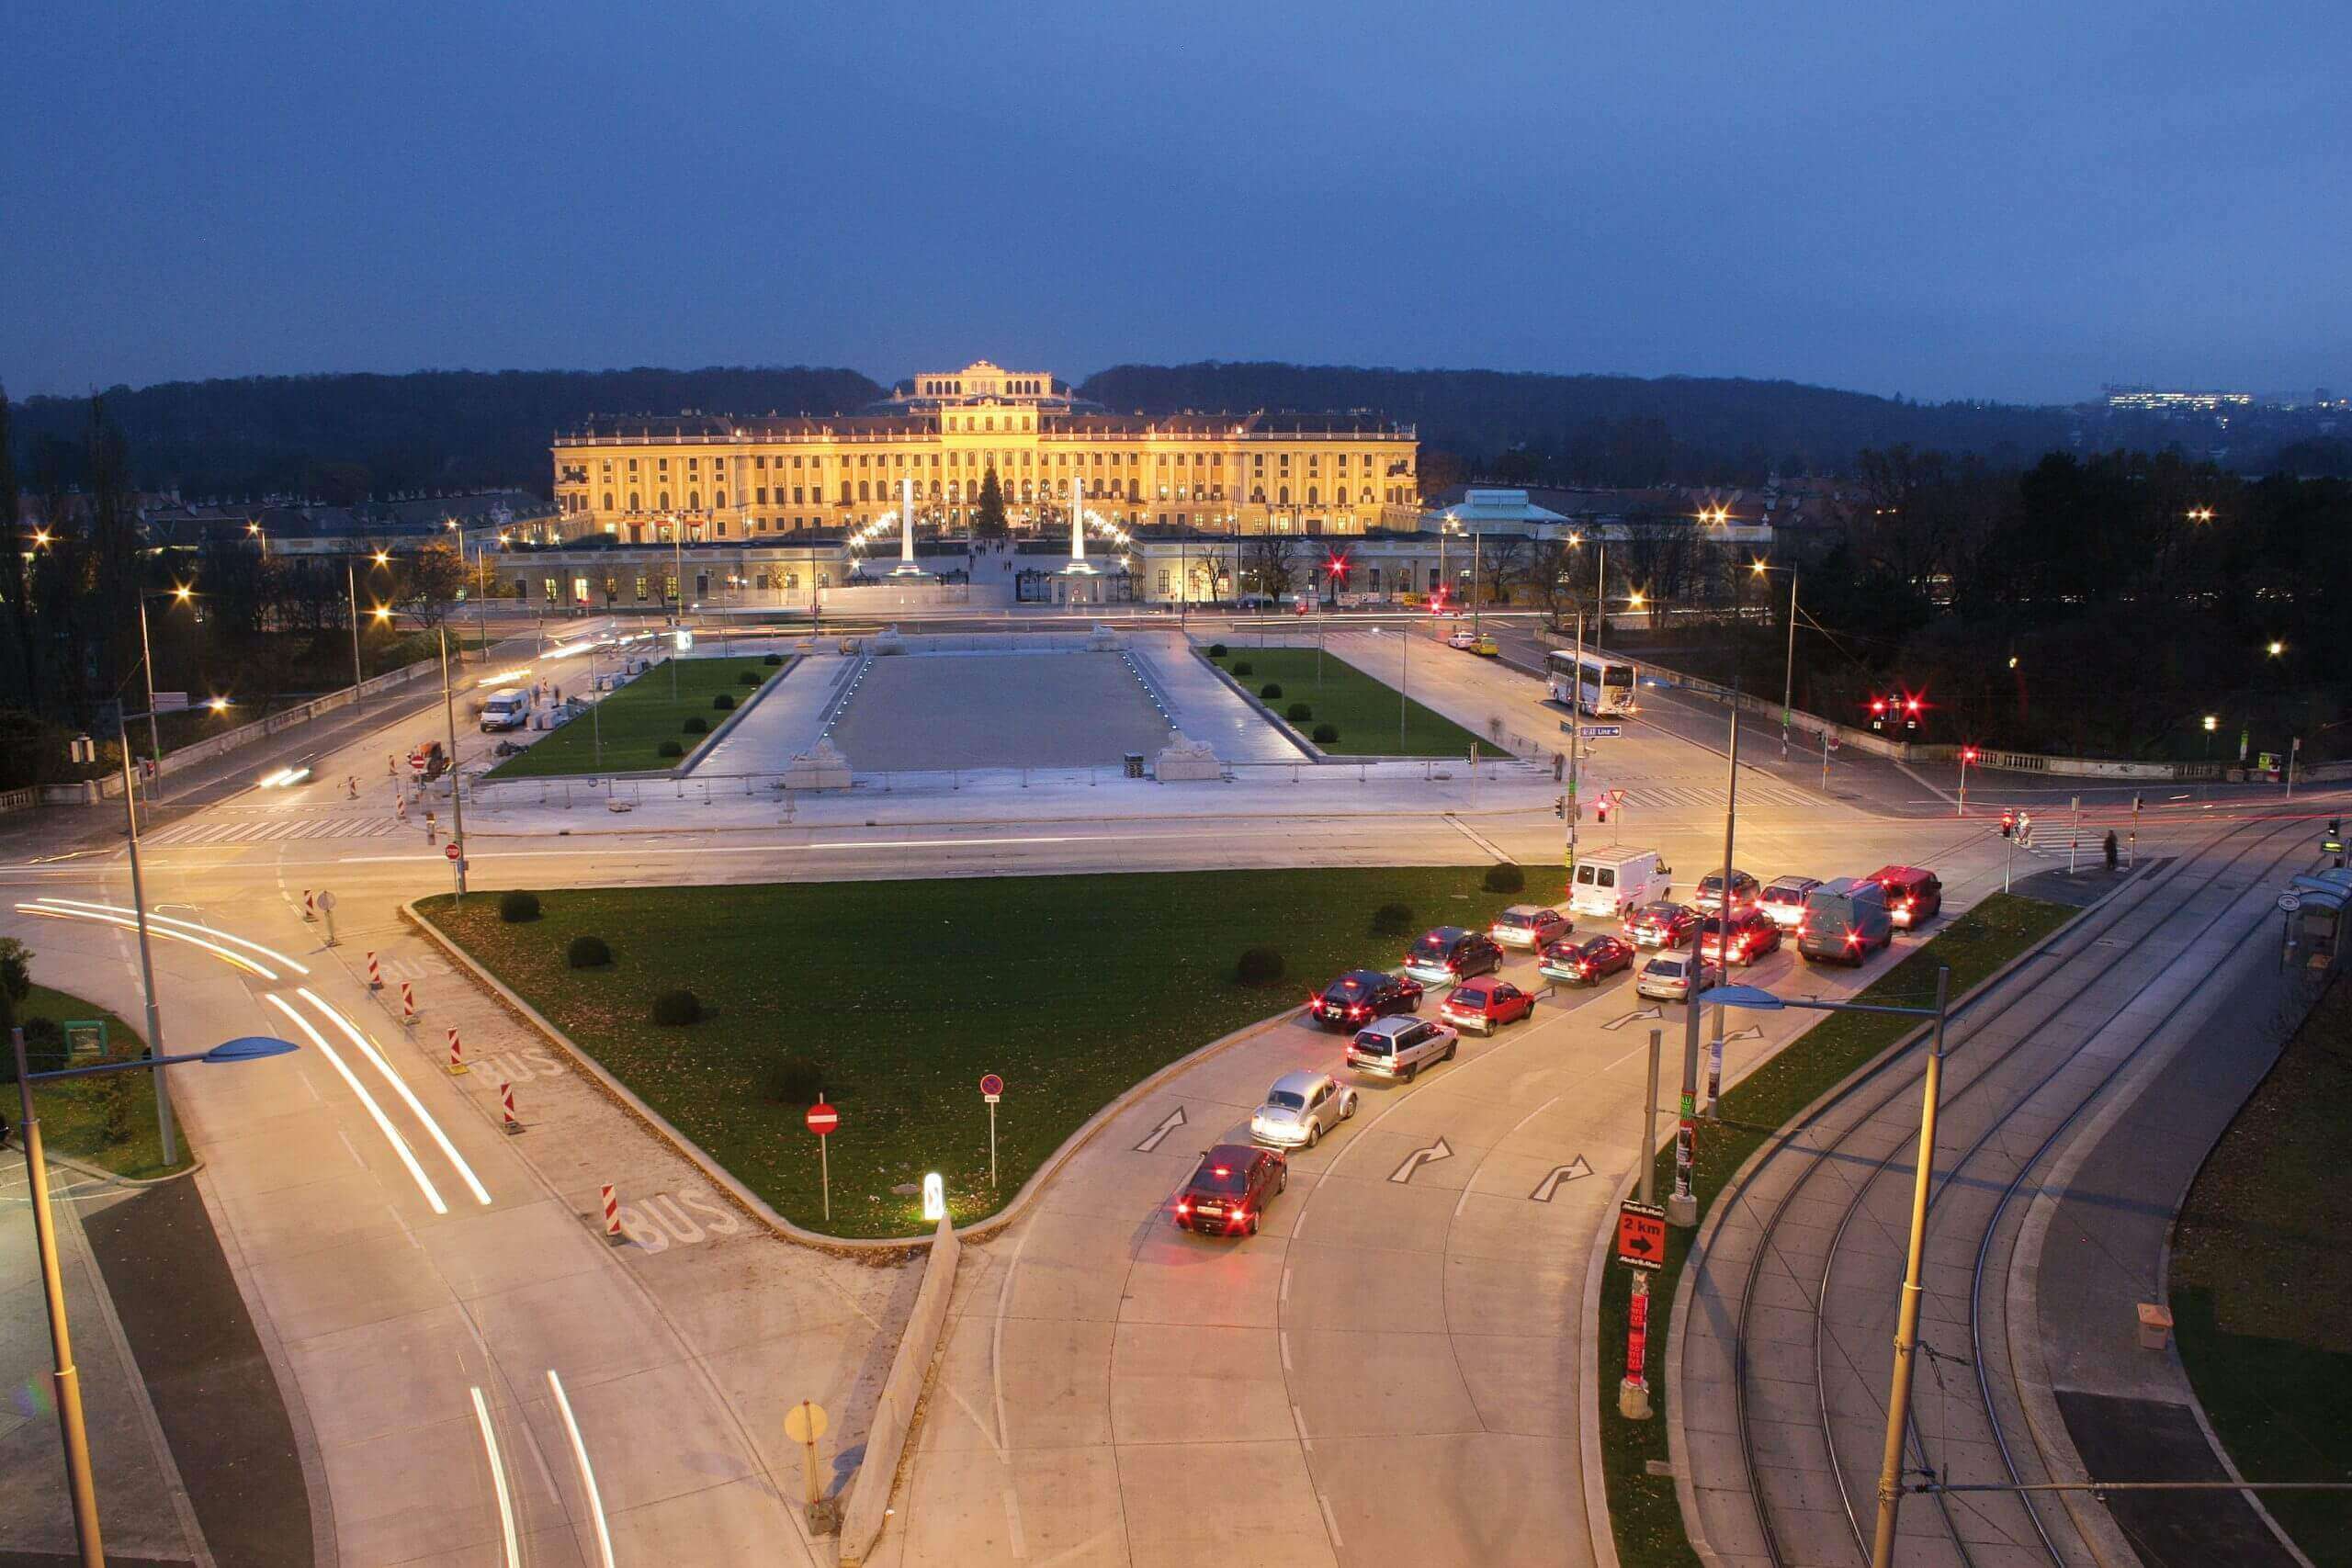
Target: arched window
(609, 500)
(1313, 499)
(719, 499)
(632, 502)
(864, 491)
(1366, 497)
(1284, 498)
(694, 501)
(1257, 495)
(666, 501)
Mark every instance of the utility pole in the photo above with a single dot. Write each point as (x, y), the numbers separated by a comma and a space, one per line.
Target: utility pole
(1788, 680)
(1405, 631)
(1633, 1390)
(154, 735)
(1906, 1331)
(1730, 819)
(351, 583)
(456, 795)
(1576, 733)
(65, 1378)
(164, 1135)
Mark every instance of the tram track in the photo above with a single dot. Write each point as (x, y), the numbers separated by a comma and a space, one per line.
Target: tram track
(2020, 1068)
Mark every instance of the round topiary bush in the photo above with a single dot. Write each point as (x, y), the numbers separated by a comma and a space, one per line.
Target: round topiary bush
(722, 701)
(796, 1080)
(1298, 713)
(1259, 966)
(670, 748)
(696, 724)
(1392, 919)
(516, 907)
(588, 952)
(677, 1009)
(1242, 667)
(1270, 690)
(749, 678)
(772, 661)
(1216, 650)
(1505, 878)
(1326, 733)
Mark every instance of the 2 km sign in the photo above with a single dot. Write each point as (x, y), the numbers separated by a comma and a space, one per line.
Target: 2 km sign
(1641, 1236)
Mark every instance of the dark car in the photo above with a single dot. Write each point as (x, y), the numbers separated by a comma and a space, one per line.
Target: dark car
(1581, 961)
(1450, 954)
(1229, 1191)
(1486, 1005)
(1358, 997)
(1913, 896)
(1710, 894)
(1667, 926)
(1753, 935)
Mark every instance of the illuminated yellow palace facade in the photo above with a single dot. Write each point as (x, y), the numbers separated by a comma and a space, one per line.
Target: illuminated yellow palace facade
(716, 477)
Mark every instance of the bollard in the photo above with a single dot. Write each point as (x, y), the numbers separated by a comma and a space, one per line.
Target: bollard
(408, 1005)
(375, 973)
(457, 1052)
(309, 907)
(506, 1109)
(612, 1219)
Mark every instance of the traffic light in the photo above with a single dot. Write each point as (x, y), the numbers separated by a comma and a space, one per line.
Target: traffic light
(1910, 713)
(1878, 713)
(1600, 810)
(2009, 823)
(2334, 842)
(1560, 806)
(1968, 754)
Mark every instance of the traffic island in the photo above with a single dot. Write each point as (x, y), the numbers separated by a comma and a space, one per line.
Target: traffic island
(895, 998)
(628, 728)
(104, 1124)
(1360, 710)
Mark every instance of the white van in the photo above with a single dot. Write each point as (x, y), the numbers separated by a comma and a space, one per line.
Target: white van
(509, 710)
(1611, 882)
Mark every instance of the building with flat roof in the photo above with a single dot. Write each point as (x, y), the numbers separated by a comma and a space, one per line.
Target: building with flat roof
(713, 476)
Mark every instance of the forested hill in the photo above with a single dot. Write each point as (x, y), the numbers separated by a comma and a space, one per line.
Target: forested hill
(1616, 430)
(344, 437)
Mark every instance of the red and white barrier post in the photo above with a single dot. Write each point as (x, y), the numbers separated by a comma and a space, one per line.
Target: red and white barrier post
(310, 906)
(506, 1109)
(612, 1218)
(408, 1005)
(457, 1052)
(375, 973)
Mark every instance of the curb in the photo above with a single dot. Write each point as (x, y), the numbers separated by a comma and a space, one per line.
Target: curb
(758, 1208)
(1313, 753)
(692, 760)
(945, 822)
(98, 1173)
(1678, 1435)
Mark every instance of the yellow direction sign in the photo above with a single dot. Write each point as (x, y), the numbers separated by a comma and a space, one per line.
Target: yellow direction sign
(805, 1422)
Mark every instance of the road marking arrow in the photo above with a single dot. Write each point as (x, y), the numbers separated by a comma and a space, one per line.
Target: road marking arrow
(1574, 1170)
(1167, 1124)
(1617, 1024)
(1753, 1032)
(1421, 1158)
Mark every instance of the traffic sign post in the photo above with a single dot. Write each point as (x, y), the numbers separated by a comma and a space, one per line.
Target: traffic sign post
(991, 1090)
(1641, 1235)
(822, 1119)
(804, 1424)
(1641, 1247)
(326, 907)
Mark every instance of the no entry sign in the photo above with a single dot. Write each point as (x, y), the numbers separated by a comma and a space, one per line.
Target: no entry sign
(991, 1086)
(822, 1119)
(452, 850)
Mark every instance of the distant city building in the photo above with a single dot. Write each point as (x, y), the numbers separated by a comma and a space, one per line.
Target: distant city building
(2163, 401)
(722, 478)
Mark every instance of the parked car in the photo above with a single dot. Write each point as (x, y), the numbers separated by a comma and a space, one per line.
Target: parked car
(1401, 1048)
(1845, 921)
(1300, 1108)
(1486, 1005)
(1485, 648)
(508, 709)
(1611, 882)
(1449, 954)
(1913, 896)
(1783, 899)
(1668, 977)
(1530, 926)
(1361, 995)
(1581, 961)
(1665, 925)
(1752, 935)
(1465, 640)
(1229, 1190)
(1710, 896)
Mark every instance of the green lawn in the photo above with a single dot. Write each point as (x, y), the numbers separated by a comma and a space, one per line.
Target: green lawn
(635, 720)
(74, 1113)
(2261, 1282)
(1364, 709)
(1072, 987)
(1643, 1513)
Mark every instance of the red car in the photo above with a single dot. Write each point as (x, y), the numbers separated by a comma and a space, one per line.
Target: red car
(1667, 926)
(1753, 935)
(1579, 961)
(1228, 1192)
(1486, 1005)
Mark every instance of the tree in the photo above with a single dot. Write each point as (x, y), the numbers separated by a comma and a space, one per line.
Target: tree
(16, 583)
(988, 518)
(1269, 563)
(1555, 570)
(1502, 556)
(15, 979)
(430, 582)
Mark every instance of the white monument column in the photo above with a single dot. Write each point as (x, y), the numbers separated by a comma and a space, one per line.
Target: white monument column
(1077, 532)
(907, 522)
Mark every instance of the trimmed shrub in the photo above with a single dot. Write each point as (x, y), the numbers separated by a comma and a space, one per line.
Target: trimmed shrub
(1242, 667)
(676, 1009)
(696, 724)
(670, 748)
(722, 701)
(1258, 967)
(1270, 690)
(1326, 733)
(588, 952)
(796, 1080)
(516, 907)
(750, 678)
(1505, 878)
(1298, 713)
(1392, 919)
(1216, 650)
(774, 660)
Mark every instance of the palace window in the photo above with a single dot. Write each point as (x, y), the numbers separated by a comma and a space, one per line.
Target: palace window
(666, 501)
(632, 502)
(609, 500)
(694, 501)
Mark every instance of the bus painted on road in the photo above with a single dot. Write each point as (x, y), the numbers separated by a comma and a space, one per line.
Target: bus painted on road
(1598, 684)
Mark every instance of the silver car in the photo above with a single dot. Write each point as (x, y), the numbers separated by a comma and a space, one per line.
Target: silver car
(1300, 1108)
(1400, 1048)
(1666, 977)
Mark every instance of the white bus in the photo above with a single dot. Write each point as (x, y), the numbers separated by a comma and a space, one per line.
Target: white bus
(1598, 686)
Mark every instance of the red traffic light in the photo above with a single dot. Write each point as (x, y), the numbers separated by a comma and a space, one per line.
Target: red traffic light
(1878, 704)
(1911, 703)
(1968, 753)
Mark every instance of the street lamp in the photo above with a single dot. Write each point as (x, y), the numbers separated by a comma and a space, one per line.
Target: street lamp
(80, 1484)
(1907, 1330)
(2200, 514)
(2276, 648)
(2212, 724)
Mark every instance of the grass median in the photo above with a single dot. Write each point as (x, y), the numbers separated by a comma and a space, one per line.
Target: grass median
(108, 1121)
(630, 724)
(902, 994)
(1361, 709)
(2261, 1282)
(1644, 1512)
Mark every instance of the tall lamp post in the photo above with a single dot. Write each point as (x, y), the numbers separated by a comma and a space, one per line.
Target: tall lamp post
(65, 1378)
(1906, 1329)
(180, 593)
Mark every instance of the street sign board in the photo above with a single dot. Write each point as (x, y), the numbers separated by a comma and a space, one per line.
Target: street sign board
(1641, 1235)
(86, 1038)
(822, 1119)
(805, 1422)
(326, 903)
(1604, 731)
(991, 1086)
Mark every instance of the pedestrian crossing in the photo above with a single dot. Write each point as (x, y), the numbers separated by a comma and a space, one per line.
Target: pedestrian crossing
(1685, 797)
(209, 830)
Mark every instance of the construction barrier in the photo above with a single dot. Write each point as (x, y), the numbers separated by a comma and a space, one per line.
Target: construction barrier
(506, 1107)
(612, 1218)
(375, 973)
(408, 1004)
(310, 905)
(457, 1052)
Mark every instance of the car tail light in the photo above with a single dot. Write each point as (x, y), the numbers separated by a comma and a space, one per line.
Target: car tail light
(1241, 1216)
(1853, 939)
(1358, 1011)
(1183, 1207)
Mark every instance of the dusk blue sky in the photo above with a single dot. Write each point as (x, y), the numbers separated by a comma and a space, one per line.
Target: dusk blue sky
(1992, 199)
